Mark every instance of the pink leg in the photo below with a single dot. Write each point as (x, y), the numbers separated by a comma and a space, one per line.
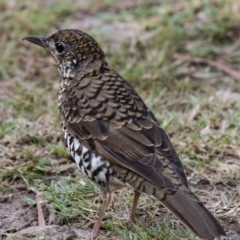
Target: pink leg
(134, 207)
(106, 200)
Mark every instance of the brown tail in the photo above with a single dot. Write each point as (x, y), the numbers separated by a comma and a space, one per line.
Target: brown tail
(193, 214)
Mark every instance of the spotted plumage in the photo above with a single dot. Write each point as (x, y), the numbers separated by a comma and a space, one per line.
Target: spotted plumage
(91, 164)
(114, 138)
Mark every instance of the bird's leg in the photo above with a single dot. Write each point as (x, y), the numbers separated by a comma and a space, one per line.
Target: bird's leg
(134, 207)
(106, 200)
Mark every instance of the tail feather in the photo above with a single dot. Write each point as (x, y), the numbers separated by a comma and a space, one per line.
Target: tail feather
(193, 214)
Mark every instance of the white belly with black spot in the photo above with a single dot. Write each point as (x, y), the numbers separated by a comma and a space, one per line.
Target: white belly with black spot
(91, 164)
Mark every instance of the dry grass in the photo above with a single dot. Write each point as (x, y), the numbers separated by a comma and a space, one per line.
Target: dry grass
(196, 102)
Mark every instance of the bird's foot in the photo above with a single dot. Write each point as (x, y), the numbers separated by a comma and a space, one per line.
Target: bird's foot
(94, 234)
(130, 222)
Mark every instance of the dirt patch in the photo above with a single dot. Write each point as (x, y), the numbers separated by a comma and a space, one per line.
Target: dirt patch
(50, 232)
(15, 213)
(19, 221)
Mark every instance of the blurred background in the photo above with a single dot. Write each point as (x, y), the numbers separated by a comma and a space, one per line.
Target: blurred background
(181, 56)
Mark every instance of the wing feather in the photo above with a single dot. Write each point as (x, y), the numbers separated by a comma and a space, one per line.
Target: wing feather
(121, 129)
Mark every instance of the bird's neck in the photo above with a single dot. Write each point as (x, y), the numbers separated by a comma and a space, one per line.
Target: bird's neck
(95, 67)
(71, 78)
(85, 69)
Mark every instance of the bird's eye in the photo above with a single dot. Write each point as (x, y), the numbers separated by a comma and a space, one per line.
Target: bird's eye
(59, 47)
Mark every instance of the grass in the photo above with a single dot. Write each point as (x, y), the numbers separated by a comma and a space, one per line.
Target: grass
(197, 104)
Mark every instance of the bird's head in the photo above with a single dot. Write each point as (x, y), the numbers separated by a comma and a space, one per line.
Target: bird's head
(73, 50)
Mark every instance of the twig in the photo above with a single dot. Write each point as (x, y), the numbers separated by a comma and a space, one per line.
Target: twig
(232, 72)
(52, 217)
(41, 220)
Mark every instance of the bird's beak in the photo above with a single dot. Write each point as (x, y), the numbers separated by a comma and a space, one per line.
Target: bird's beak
(39, 40)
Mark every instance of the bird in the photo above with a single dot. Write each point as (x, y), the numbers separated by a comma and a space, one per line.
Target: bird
(114, 138)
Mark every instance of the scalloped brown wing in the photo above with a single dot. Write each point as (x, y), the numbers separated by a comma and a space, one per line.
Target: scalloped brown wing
(110, 118)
